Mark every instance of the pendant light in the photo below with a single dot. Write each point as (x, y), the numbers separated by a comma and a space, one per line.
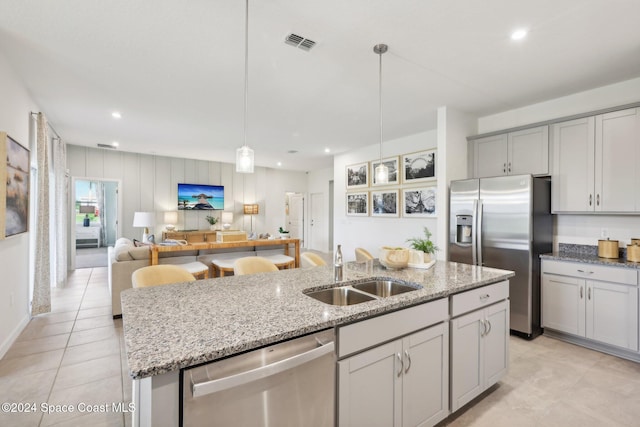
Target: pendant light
(244, 154)
(382, 171)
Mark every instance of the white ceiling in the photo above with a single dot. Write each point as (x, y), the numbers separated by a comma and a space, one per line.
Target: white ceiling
(175, 69)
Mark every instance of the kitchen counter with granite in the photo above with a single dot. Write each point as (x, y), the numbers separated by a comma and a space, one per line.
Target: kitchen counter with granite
(588, 255)
(170, 327)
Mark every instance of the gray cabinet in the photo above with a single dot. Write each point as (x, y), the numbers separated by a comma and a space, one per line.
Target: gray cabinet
(598, 303)
(514, 153)
(595, 163)
(479, 342)
(399, 383)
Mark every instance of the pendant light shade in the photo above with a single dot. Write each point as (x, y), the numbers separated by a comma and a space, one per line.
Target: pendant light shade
(382, 172)
(244, 154)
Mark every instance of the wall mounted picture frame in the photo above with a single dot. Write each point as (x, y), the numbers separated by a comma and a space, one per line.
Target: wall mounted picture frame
(357, 176)
(419, 167)
(384, 203)
(358, 204)
(419, 202)
(14, 187)
(392, 163)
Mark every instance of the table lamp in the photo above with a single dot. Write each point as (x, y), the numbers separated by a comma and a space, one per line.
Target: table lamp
(146, 220)
(227, 219)
(170, 219)
(251, 209)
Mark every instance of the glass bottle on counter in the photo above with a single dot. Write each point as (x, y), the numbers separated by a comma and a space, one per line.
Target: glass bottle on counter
(338, 266)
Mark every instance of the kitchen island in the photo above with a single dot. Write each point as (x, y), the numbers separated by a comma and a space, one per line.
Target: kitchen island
(171, 327)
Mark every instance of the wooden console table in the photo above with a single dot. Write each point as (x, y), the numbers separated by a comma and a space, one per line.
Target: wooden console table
(155, 249)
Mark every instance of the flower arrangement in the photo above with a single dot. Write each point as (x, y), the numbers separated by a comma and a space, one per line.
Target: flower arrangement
(211, 219)
(425, 245)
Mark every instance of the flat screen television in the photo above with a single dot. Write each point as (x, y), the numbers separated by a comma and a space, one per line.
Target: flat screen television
(200, 197)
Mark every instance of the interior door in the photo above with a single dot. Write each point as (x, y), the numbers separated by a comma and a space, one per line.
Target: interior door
(296, 217)
(317, 225)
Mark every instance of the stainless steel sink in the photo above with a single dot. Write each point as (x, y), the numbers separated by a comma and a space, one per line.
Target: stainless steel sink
(340, 296)
(384, 288)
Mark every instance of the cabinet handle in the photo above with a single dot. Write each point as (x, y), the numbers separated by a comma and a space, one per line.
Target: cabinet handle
(509, 166)
(581, 292)
(406, 354)
(504, 168)
(489, 330)
(589, 293)
(484, 297)
(401, 364)
(484, 328)
(590, 199)
(587, 272)
(598, 200)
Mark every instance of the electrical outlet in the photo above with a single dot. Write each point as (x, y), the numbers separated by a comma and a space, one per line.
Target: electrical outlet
(604, 233)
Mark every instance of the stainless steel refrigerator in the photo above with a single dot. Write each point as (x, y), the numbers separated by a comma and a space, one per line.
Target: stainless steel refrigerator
(505, 222)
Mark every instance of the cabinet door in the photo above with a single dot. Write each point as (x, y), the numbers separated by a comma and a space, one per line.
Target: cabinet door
(573, 145)
(495, 343)
(490, 156)
(612, 314)
(616, 161)
(370, 387)
(563, 307)
(466, 380)
(425, 384)
(528, 151)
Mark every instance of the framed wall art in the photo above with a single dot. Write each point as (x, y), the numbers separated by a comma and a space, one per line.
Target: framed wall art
(358, 204)
(392, 164)
(419, 202)
(14, 192)
(419, 167)
(384, 203)
(357, 176)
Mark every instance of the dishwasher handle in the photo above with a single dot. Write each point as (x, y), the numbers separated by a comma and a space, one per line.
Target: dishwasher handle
(214, 386)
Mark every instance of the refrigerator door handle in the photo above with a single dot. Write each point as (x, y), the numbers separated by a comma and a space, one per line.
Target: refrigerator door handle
(478, 232)
(474, 225)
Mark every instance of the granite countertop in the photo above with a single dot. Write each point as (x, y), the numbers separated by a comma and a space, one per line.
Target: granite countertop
(170, 327)
(589, 255)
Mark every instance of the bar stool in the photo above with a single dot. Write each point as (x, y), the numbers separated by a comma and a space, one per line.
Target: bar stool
(252, 265)
(362, 255)
(154, 275)
(196, 268)
(222, 266)
(282, 261)
(309, 259)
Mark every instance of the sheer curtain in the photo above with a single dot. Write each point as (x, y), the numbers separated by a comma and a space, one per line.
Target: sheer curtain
(41, 302)
(61, 216)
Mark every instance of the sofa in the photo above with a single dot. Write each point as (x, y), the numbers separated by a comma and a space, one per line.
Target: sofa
(125, 258)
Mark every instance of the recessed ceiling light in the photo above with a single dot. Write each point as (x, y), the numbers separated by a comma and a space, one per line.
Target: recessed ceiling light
(115, 143)
(279, 163)
(116, 115)
(327, 150)
(519, 34)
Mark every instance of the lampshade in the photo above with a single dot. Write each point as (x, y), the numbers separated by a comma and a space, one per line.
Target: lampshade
(382, 171)
(251, 209)
(244, 154)
(144, 219)
(170, 219)
(227, 219)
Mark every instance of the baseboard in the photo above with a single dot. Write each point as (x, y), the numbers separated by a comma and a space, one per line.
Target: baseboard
(6, 345)
(594, 345)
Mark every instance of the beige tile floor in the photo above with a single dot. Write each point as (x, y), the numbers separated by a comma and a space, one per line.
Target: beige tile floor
(76, 355)
(72, 356)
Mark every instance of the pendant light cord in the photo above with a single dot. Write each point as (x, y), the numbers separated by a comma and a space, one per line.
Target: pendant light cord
(246, 70)
(380, 103)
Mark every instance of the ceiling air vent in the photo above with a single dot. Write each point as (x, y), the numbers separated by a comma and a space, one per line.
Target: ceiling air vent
(106, 146)
(299, 41)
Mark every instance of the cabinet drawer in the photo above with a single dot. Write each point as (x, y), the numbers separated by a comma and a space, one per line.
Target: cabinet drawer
(627, 276)
(362, 335)
(478, 298)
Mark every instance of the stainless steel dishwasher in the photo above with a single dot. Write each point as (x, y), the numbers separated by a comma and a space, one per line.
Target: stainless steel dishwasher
(287, 384)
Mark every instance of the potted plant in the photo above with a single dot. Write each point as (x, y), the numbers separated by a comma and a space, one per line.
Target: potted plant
(212, 221)
(284, 234)
(424, 245)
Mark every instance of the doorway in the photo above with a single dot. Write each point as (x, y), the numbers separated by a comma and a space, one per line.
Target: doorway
(295, 216)
(95, 215)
